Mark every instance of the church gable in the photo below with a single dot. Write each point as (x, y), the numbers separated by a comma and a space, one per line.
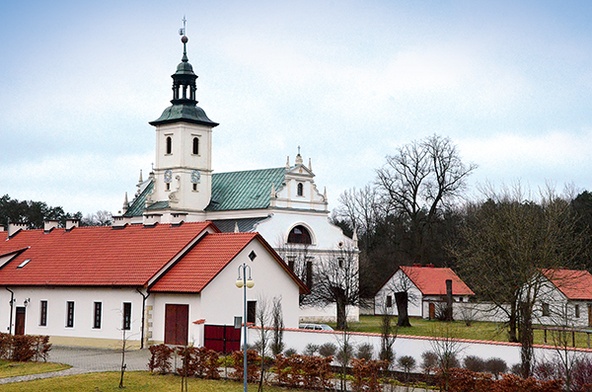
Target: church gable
(299, 190)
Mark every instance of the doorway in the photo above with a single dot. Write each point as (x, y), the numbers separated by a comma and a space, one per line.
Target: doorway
(19, 323)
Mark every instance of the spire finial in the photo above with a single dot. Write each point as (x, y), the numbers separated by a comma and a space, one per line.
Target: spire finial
(184, 39)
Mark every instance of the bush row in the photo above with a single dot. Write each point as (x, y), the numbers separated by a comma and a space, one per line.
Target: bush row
(23, 348)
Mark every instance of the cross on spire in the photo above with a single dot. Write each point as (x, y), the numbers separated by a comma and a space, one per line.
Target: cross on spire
(184, 28)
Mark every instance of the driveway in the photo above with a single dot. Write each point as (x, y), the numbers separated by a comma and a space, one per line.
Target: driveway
(86, 360)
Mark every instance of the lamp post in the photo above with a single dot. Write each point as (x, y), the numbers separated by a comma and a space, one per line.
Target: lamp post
(243, 282)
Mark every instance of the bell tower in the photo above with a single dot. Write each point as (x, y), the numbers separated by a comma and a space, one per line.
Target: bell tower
(182, 171)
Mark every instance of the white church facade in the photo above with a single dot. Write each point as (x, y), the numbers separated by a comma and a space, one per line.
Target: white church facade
(283, 204)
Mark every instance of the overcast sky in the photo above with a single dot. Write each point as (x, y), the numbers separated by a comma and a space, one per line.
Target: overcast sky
(510, 82)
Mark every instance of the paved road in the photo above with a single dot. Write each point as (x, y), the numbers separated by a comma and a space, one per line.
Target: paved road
(86, 360)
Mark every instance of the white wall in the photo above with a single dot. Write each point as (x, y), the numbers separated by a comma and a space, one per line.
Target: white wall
(399, 282)
(413, 345)
(112, 311)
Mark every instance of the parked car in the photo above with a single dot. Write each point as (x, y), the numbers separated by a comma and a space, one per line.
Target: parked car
(316, 327)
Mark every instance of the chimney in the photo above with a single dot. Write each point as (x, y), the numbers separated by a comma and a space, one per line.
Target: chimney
(14, 228)
(71, 223)
(178, 218)
(50, 224)
(152, 219)
(120, 221)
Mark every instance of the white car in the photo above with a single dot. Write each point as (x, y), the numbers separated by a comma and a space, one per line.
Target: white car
(316, 327)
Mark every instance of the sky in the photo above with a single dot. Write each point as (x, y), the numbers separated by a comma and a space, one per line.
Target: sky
(509, 82)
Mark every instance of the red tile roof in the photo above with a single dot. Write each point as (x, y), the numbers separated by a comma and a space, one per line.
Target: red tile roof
(574, 284)
(432, 281)
(95, 256)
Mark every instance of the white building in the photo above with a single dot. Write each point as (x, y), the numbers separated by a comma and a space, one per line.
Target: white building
(564, 298)
(171, 283)
(281, 203)
(425, 287)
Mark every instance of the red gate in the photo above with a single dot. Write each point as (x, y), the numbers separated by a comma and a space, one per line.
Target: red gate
(222, 338)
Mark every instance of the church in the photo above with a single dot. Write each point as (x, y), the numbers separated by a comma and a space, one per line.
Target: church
(283, 203)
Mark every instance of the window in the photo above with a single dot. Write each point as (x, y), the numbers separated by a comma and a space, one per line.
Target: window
(195, 146)
(340, 261)
(299, 235)
(251, 312)
(389, 301)
(577, 310)
(169, 145)
(98, 309)
(194, 187)
(43, 313)
(127, 315)
(300, 189)
(70, 314)
(546, 311)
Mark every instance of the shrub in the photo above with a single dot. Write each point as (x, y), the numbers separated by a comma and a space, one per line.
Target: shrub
(366, 374)
(289, 352)
(311, 349)
(253, 361)
(344, 354)
(474, 364)
(365, 351)
(23, 348)
(496, 366)
(327, 350)
(300, 371)
(160, 360)
(429, 362)
(407, 363)
(582, 375)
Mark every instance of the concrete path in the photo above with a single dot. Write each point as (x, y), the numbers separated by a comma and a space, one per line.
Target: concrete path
(86, 360)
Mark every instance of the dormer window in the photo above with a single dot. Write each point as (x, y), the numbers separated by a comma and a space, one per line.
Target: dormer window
(300, 189)
(299, 235)
(169, 145)
(21, 265)
(195, 146)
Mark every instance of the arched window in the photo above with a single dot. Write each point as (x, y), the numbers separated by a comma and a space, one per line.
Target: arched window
(300, 189)
(195, 146)
(299, 235)
(169, 145)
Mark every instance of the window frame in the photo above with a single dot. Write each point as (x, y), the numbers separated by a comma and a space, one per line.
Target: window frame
(70, 306)
(43, 313)
(127, 316)
(97, 315)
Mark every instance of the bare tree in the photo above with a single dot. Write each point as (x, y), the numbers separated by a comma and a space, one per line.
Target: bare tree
(446, 347)
(336, 282)
(362, 209)
(506, 241)
(277, 319)
(263, 319)
(419, 180)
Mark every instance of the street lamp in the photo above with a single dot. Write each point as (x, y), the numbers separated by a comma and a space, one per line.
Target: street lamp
(243, 282)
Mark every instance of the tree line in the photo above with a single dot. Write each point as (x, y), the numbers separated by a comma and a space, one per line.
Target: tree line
(416, 210)
(34, 213)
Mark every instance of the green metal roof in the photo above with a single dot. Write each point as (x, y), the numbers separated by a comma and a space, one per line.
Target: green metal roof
(136, 208)
(244, 190)
(184, 112)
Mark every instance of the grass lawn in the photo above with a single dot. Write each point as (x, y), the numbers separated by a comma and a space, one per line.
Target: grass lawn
(12, 369)
(133, 381)
(478, 330)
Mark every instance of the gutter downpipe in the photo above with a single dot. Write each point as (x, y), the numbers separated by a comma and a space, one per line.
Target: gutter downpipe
(11, 309)
(144, 297)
